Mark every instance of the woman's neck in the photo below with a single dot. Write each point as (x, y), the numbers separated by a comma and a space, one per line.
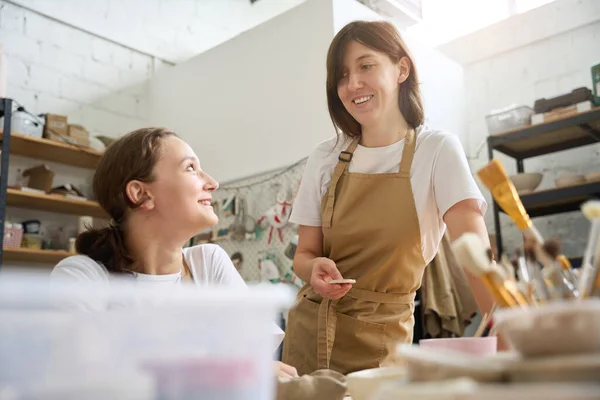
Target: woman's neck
(385, 131)
(152, 253)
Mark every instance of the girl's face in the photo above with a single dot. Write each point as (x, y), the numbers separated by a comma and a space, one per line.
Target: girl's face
(181, 194)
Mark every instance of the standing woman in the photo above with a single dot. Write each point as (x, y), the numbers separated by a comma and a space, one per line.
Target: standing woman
(373, 206)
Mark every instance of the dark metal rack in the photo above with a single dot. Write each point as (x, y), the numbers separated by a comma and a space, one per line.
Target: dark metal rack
(6, 112)
(576, 131)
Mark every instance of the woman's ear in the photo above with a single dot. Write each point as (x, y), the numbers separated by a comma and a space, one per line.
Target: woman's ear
(403, 69)
(138, 194)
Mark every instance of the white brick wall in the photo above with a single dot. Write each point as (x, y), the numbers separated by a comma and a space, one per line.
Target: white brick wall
(59, 69)
(55, 68)
(172, 30)
(550, 66)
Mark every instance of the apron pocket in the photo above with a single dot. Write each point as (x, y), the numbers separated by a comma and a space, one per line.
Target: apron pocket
(358, 344)
(300, 341)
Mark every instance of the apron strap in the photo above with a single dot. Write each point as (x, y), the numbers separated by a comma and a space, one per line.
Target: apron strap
(326, 326)
(408, 153)
(344, 161)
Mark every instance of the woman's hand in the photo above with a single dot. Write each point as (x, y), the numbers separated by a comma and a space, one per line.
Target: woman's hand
(285, 371)
(324, 270)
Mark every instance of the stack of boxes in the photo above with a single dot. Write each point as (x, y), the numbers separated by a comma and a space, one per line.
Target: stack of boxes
(57, 128)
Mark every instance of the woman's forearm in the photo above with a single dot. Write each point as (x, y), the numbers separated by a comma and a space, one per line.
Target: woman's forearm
(303, 264)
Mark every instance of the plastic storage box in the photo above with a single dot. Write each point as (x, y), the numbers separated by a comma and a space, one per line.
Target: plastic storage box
(508, 119)
(59, 342)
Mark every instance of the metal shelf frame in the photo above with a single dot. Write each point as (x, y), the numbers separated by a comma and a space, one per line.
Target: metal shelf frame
(6, 112)
(553, 201)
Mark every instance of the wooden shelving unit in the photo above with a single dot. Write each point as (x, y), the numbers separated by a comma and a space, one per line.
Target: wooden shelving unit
(34, 255)
(53, 203)
(51, 150)
(535, 140)
(48, 150)
(559, 200)
(578, 130)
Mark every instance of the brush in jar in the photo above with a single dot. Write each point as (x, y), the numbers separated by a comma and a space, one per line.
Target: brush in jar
(495, 178)
(472, 255)
(524, 282)
(561, 272)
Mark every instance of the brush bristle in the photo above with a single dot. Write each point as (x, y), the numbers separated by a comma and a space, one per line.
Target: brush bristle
(471, 253)
(552, 247)
(591, 209)
(492, 174)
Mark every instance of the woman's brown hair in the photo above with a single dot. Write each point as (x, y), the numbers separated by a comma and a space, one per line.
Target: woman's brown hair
(383, 37)
(131, 157)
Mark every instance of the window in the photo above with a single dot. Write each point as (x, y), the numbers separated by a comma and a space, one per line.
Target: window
(446, 20)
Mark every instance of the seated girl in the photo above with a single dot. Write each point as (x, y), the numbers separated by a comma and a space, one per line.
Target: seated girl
(151, 185)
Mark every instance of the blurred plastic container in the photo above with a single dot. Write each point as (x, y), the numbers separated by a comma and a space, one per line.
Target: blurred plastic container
(509, 118)
(13, 235)
(479, 346)
(168, 344)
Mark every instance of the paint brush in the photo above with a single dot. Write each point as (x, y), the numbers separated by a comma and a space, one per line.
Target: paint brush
(564, 271)
(495, 178)
(540, 287)
(559, 285)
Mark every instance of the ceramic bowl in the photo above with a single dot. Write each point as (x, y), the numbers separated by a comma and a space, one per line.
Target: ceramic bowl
(526, 182)
(570, 368)
(478, 346)
(436, 364)
(553, 329)
(362, 385)
(466, 389)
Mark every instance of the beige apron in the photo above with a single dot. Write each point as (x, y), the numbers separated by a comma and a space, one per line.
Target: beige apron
(371, 231)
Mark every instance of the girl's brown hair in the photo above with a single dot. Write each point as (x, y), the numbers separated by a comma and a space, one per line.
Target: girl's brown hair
(131, 157)
(383, 37)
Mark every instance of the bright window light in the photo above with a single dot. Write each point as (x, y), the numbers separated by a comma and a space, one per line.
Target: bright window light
(446, 20)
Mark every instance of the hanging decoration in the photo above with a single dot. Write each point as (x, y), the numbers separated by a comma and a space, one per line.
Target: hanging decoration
(278, 215)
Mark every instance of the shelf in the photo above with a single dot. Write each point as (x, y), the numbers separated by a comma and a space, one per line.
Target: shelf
(535, 140)
(51, 150)
(53, 203)
(34, 255)
(559, 200)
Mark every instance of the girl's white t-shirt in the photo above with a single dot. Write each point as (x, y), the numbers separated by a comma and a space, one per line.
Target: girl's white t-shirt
(440, 178)
(209, 264)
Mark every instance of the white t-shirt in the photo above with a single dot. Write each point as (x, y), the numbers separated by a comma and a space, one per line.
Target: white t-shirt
(209, 264)
(440, 178)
